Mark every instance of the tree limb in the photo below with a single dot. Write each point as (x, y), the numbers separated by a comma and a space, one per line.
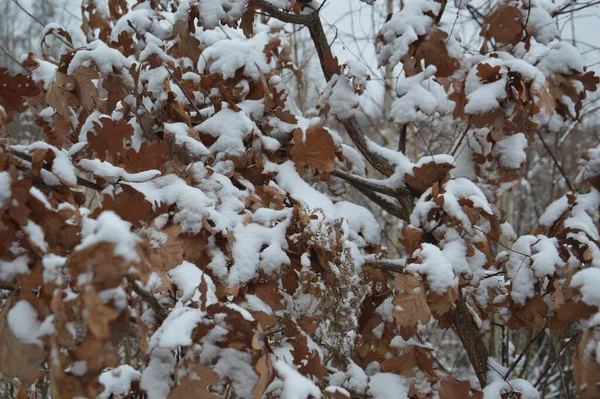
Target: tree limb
(80, 181)
(149, 298)
(317, 33)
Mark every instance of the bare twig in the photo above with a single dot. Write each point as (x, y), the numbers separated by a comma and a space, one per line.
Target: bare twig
(183, 91)
(386, 264)
(523, 352)
(80, 181)
(149, 298)
(12, 57)
(560, 169)
(63, 41)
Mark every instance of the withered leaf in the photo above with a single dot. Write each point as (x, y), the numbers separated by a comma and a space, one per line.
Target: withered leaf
(504, 24)
(314, 148)
(14, 90)
(426, 175)
(17, 359)
(108, 140)
(410, 304)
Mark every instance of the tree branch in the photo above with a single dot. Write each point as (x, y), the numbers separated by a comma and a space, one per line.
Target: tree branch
(80, 181)
(386, 264)
(468, 332)
(149, 298)
(319, 38)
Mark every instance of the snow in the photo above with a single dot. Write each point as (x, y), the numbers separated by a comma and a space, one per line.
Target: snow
(588, 281)
(295, 386)
(5, 190)
(419, 93)
(182, 138)
(10, 269)
(61, 164)
(112, 173)
(403, 29)
(227, 56)
(187, 277)
(357, 379)
(53, 265)
(156, 378)
(361, 220)
(248, 258)
(176, 330)
(235, 366)
(388, 385)
(554, 211)
(437, 268)
(191, 202)
(340, 97)
(511, 150)
(36, 235)
(110, 228)
(23, 322)
(229, 128)
(531, 258)
(117, 382)
(484, 97)
(44, 73)
(213, 11)
(106, 59)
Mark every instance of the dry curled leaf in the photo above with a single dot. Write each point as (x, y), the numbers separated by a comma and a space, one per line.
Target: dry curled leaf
(410, 303)
(314, 148)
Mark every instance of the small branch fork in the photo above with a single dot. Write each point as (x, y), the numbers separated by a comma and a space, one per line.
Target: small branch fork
(317, 33)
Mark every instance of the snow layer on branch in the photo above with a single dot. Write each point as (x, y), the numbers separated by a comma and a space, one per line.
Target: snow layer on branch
(117, 382)
(187, 277)
(156, 378)
(213, 11)
(10, 269)
(191, 202)
(230, 128)
(144, 20)
(61, 164)
(248, 258)
(388, 385)
(105, 58)
(419, 93)
(111, 172)
(227, 56)
(360, 220)
(177, 328)
(339, 97)
(180, 131)
(404, 28)
(512, 151)
(23, 322)
(588, 281)
(110, 228)
(531, 258)
(5, 191)
(435, 266)
(295, 385)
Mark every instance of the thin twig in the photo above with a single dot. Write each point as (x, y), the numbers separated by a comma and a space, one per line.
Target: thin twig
(66, 43)
(560, 370)
(12, 57)
(183, 91)
(560, 169)
(387, 265)
(149, 298)
(80, 181)
(523, 352)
